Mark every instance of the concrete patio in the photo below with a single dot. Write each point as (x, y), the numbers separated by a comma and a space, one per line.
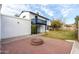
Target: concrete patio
(22, 45)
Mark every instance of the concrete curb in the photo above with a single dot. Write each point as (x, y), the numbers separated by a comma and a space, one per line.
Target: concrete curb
(75, 48)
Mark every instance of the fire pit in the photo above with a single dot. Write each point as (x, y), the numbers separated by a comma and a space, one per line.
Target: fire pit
(36, 41)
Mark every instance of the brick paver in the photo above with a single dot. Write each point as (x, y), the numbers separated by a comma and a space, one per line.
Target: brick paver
(50, 46)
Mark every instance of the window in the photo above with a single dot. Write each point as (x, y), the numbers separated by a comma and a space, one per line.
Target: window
(41, 21)
(38, 21)
(24, 16)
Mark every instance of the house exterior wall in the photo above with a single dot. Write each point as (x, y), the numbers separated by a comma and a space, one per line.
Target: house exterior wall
(48, 22)
(41, 18)
(26, 14)
(31, 16)
(41, 28)
(12, 26)
(48, 25)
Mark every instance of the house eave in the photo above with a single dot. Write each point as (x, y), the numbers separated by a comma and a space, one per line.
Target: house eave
(34, 14)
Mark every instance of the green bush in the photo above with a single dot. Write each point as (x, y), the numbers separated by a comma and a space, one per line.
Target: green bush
(33, 29)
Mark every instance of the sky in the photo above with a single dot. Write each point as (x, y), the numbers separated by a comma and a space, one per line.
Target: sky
(64, 12)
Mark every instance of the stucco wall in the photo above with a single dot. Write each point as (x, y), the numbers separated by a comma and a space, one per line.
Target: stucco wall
(12, 26)
(29, 15)
(26, 14)
(42, 28)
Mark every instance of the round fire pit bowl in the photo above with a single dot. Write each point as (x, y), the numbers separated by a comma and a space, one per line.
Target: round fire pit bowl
(36, 41)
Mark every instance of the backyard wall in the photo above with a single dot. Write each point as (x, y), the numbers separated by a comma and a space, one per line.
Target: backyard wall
(0, 21)
(12, 26)
(0, 27)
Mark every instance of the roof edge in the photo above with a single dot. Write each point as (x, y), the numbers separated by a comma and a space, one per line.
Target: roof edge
(34, 14)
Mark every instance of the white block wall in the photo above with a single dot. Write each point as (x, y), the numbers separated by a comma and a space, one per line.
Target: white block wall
(12, 26)
(0, 27)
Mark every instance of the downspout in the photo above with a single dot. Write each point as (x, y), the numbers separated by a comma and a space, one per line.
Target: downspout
(78, 30)
(45, 26)
(36, 18)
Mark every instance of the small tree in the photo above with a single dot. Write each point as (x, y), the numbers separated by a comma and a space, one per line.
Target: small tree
(56, 24)
(76, 22)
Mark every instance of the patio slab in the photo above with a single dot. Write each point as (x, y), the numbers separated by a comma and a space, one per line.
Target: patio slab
(50, 46)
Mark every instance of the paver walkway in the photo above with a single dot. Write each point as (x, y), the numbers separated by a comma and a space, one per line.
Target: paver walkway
(50, 46)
